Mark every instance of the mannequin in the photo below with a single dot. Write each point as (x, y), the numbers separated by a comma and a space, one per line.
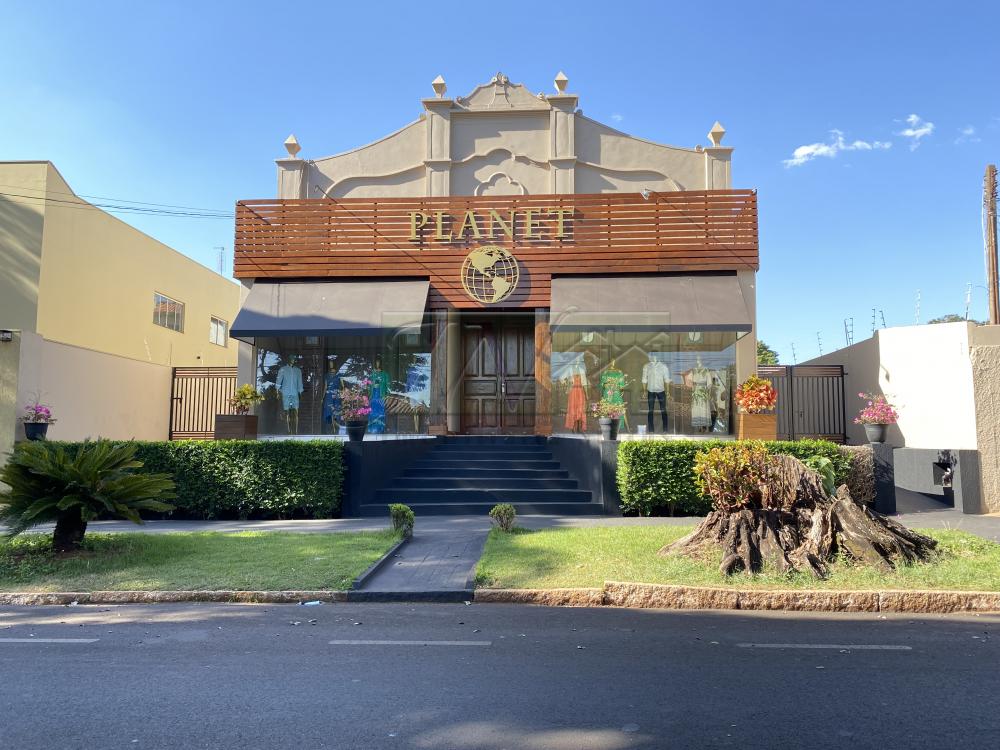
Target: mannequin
(655, 381)
(720, 403)
(576, 402)
(613, 383)
(702, 403)
(377, 392)
(331, 397)
(289, 385)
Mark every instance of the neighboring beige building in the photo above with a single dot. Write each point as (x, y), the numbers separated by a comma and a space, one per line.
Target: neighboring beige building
(79, 294)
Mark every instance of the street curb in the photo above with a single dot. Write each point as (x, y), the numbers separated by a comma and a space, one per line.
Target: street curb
(663, 596)
(170, 597)
(376, 566)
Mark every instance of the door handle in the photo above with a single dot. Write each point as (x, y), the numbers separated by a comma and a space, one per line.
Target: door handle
(503, 387)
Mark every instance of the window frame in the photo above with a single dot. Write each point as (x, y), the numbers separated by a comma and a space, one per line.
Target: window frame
(212, 319)
(158, 299)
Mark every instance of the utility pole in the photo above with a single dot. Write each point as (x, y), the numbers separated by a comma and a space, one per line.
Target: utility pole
(990, 241)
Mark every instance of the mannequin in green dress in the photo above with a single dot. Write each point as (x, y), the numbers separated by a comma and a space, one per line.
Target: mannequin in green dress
(612, 385)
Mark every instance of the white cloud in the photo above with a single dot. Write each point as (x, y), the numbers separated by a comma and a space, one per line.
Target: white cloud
(617, 117)
(918, 128)
(837, 143)
(967, 135)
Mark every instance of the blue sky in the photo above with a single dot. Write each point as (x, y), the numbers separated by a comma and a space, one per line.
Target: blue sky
(188, 103)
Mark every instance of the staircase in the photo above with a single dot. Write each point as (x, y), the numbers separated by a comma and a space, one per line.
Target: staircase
(468, 475)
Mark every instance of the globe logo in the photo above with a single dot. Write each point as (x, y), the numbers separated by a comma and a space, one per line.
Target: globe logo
(489, 274)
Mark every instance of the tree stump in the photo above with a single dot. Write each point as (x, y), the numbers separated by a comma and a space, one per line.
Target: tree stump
(792, 524)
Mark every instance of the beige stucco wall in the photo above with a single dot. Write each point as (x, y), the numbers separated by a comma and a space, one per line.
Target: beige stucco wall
(94, 394)
(21, 220)
(926, 371)
(985, 357)
(97, 283)
(9, 363)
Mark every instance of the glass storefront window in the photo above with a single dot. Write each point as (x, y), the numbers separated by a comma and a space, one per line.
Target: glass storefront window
(301, 378)
(686, 376)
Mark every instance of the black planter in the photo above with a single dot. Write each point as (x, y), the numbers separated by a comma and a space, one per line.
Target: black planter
(875, 433)
(35, 430)
(609, 427)
(356, 429)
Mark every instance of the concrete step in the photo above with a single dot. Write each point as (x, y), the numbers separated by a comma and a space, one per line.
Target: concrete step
(486, 474)
(435, 462)
(475, 440)
(490, 483)
(475, 456)
(483, 508)
(414, 496)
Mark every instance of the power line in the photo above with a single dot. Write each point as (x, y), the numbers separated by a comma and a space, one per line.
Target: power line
(106, 198)
(114, 208)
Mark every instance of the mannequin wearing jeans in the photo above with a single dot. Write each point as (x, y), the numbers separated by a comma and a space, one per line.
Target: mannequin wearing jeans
(655, 379)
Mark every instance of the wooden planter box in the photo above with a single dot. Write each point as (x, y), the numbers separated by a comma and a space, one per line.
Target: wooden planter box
(235, 427)
(757, 426)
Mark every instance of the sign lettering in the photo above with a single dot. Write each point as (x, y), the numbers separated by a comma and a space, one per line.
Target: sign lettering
(525, 223)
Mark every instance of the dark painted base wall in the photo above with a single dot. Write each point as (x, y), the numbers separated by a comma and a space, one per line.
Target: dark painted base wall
(372, 465)
(594, 464)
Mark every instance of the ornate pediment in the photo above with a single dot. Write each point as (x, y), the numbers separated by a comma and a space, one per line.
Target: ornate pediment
(499, 95)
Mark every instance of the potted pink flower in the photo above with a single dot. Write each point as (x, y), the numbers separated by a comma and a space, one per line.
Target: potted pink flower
(876, 416)
(355, 406)
(609, 413)
(36, 419)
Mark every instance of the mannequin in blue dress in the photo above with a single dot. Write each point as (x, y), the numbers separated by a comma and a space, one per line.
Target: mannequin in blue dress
(377, 392)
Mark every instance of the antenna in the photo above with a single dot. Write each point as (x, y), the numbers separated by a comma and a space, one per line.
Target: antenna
(882, 315)
(795, 359)
(819, 343)
(916, 312)
(968, 298)
(849, 330)
(222, 259)
(873, 321)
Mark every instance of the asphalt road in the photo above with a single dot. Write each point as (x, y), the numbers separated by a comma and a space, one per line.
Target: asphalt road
(492, 676)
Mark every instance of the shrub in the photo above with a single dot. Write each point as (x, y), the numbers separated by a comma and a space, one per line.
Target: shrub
(824, 467)
(74, 485)
(504, 515)
(247, 479)
(656, 477)
(402, 518)
(861, 472)
(733, 475)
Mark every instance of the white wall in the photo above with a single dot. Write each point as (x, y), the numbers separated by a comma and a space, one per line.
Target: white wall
(925, 371)
(94, 394)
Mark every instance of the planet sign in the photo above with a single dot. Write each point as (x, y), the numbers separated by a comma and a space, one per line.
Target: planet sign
(489, 274)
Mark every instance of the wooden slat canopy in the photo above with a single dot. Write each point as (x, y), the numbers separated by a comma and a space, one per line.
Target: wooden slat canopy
(605, 233)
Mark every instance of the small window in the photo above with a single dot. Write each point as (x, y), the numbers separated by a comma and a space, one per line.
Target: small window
(167, 312)
(218, 332)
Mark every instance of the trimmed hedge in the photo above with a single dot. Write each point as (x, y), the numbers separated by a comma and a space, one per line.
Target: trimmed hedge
(656, 477)
(249, 479)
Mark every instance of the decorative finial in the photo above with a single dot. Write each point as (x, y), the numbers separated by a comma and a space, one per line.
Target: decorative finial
(292, 146)
(439, 87)
(561, 82)
(716, 134)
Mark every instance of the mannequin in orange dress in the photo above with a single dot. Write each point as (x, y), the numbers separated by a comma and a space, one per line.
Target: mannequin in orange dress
(576, 403)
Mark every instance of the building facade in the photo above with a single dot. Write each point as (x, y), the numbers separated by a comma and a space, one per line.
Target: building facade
(94, 313)
(496, 267)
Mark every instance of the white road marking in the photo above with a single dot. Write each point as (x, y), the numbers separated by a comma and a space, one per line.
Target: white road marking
(49, 640)
(411, 643)
(839, 646)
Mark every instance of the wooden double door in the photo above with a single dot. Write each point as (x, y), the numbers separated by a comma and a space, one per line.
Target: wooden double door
(498, 378)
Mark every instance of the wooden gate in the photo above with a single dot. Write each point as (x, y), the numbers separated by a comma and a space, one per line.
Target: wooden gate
(196, 396)
(810, 401)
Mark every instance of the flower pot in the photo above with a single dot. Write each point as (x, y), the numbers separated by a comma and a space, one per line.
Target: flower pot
(757, 426)
(609, 427)
(356, 429)
(35, 430)
(875, 432)
(235, 427)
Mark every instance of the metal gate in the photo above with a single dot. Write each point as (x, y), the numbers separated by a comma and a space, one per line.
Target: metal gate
(196, 396)
(810, 401)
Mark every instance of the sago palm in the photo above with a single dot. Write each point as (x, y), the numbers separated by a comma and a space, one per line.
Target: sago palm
(72, 486)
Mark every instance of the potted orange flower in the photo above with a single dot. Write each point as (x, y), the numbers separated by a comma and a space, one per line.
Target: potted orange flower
(756, 420)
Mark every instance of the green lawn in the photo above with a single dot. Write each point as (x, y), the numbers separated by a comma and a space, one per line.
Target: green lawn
(587, 557)
(246, 561)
